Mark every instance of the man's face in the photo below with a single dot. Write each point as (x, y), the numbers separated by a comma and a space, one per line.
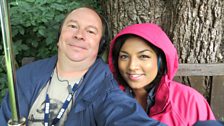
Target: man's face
(80, 36)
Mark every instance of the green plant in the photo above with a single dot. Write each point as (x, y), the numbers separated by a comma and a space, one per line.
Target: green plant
(3, 80)
(222, 118)
(35, 27)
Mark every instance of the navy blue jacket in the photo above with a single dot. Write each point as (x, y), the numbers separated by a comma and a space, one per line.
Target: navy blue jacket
(99, 100)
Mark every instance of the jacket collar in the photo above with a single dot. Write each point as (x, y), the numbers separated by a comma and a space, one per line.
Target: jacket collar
(150, 96)
(161, 97)
(92, 85)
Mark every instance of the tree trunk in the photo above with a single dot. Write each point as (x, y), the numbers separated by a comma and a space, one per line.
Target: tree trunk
(195, 27)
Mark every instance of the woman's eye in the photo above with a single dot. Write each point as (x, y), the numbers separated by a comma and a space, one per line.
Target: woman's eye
(123, 56)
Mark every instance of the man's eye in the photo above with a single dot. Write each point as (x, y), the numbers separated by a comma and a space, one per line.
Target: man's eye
(91, 32)
(144, 56)
(73, 26)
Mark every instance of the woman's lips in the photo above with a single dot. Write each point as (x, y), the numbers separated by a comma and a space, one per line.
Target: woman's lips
(134, 77)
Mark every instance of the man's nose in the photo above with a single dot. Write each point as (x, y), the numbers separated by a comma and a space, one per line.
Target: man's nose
(79, 34)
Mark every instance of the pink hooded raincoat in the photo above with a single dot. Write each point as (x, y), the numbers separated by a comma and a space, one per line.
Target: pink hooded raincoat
(175, 103)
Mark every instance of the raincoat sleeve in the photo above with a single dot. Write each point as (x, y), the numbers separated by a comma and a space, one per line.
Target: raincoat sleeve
(199, 109)
(118, 109)
(194, 107)
(209, 123)
(5, 111)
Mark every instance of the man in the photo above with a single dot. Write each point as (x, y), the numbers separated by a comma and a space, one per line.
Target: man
(75, 87)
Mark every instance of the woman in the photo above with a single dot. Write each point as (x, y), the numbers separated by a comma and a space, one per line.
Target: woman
(144, 62)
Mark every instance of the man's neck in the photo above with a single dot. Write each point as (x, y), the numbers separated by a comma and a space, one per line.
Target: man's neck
(69, 73)
(70, 69)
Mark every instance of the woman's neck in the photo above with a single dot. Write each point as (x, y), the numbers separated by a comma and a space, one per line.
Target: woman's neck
(141, 97)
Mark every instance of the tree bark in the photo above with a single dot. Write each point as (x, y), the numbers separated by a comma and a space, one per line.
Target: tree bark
(194, 26)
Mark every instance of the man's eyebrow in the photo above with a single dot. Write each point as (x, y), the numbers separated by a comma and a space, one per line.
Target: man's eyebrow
(89, 26)
(69, 21)
(94, 27)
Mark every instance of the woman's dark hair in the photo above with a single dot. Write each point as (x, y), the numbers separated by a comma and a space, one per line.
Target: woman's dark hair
(160, 56)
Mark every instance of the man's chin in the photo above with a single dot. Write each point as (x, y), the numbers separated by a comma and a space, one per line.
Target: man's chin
(82, 58)
(77, 59)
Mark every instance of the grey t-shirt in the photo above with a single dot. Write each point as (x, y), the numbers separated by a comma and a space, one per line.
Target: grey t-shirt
(58, 92)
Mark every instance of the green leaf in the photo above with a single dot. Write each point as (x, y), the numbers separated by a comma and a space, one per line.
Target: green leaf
(21, 31)
(30, 1)
(58, 6)
(34, 43)
(41, 30)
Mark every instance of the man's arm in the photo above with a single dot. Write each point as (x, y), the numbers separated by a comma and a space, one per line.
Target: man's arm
(5, 111)
(118, 109)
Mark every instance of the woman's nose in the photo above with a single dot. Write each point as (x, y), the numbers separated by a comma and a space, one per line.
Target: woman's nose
(133, 65)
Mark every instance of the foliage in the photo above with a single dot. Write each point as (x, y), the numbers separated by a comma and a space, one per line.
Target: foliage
(3, 80)
(35, 27)
(222, 119)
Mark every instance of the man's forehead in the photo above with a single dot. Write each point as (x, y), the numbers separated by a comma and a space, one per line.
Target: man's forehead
(85, 11)
(84, 14)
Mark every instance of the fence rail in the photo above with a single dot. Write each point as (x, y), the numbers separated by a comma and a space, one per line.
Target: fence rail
(201, 70)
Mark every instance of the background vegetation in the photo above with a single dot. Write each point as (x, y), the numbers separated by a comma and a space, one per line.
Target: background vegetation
(35, 26)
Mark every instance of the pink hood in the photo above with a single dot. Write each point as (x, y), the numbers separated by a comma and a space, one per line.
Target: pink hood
(175, 103)
(157, 37)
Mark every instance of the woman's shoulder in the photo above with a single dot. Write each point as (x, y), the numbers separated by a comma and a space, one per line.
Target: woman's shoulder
(183, 89)
(189, 103)
(186, 96)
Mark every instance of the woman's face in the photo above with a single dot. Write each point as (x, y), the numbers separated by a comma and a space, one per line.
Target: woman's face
(137, 63)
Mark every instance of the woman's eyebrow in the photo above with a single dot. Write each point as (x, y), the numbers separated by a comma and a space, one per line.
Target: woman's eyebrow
(145, 50)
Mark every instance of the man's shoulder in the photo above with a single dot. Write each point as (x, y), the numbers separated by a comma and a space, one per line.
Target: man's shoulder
(42, 64)
(100, 79)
